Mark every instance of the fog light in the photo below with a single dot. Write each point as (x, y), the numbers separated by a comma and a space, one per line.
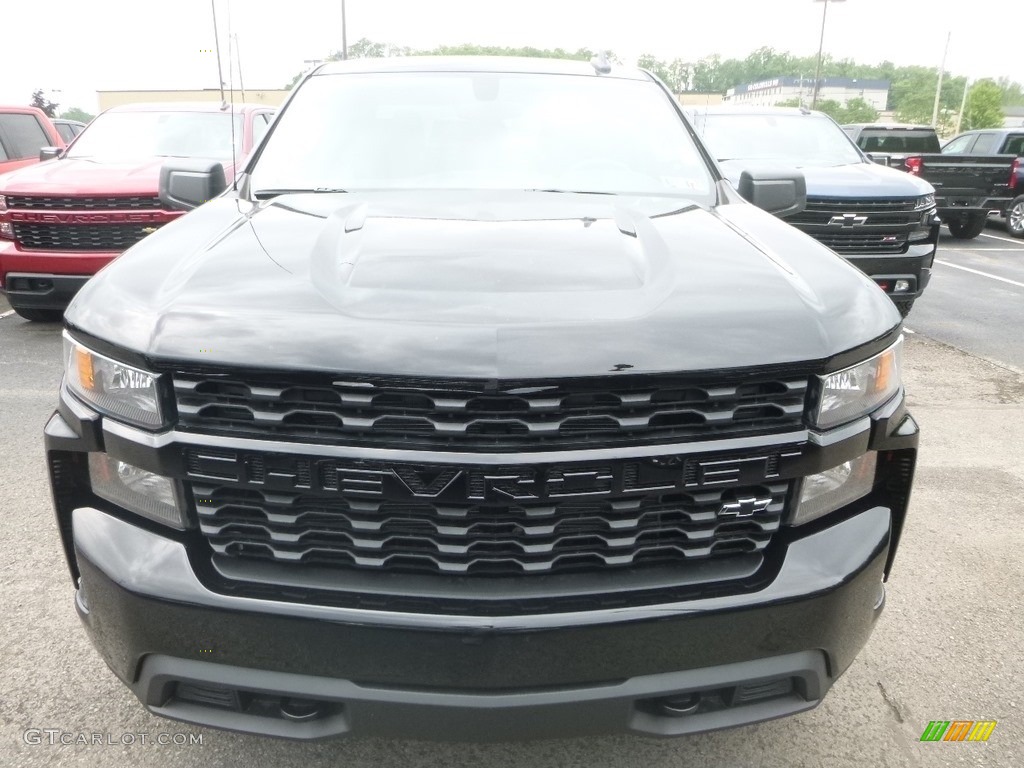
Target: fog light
(6, 230)
(902, 286)
(835, 488)
(136, 490)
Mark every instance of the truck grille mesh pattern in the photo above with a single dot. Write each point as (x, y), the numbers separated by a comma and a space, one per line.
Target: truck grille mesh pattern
(857, 225)
(80, 237)
(581, 518)
(494, 416)
(34, 202)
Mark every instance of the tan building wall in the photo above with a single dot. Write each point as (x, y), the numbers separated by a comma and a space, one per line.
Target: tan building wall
(699, 99)
(108, 99)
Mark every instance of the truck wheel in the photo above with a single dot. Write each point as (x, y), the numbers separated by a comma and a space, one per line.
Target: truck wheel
(1015, 217)
(904, 306)
(968, 227)
(40, 315)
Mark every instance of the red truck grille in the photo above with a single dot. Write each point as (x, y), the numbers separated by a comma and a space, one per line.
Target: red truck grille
(80, 237)
(35, 202)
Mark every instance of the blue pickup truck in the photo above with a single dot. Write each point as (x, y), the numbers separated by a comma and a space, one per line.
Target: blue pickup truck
(881, 220)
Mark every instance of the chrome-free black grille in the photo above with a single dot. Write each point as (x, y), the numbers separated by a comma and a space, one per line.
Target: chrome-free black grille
(460, 520)
(861, 204)
(860, 225)
(40, 202)
(80, 237)
(494, 416)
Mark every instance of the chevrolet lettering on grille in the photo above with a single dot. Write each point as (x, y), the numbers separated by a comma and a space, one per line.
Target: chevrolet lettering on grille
(494, 484)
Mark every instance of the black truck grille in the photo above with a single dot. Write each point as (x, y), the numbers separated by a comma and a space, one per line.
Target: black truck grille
(80, 237)
(38, 202)
(859, 225)
(487, 521)
(494, 416)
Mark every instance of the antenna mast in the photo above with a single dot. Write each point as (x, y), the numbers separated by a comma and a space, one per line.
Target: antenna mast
(238, 58)
(216, 42)
(231, 114)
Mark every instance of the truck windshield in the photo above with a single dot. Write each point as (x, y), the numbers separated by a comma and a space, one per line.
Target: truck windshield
(159, 134)
(482, 130)
(795, 139)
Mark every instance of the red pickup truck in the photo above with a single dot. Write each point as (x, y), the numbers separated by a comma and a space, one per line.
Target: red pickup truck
(62, 220)
(23, 132)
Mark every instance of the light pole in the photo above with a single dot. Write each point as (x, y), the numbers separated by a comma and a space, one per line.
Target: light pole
(344, 34)
(938, 87)
(821, 46)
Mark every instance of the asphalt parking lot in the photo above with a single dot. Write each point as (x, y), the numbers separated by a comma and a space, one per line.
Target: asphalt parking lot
(949, 645)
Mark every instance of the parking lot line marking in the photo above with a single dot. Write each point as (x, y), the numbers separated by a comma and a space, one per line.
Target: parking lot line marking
(1004, 239)
(992, 250)
(8, 313)
(907, 330)
(979, 272)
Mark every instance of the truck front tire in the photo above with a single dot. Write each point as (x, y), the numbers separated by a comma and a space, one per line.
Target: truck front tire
(967, 227)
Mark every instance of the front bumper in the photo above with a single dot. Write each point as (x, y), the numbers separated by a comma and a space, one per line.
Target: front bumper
(303, 668)
(167, 637)
(914, 266)
(47, 279)
(42, 291)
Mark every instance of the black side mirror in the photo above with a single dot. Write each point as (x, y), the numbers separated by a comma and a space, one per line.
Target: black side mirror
(779, 191)
(187, 184)
(49, 153)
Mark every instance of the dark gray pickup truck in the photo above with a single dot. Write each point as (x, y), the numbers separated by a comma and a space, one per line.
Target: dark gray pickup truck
(974, 174)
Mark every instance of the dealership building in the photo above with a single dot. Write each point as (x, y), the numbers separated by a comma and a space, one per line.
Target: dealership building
(768, 93)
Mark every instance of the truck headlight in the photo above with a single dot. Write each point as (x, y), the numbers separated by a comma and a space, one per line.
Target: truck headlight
(137, 490)
(3, 203)
(926, 201)
(122, 391)
(853, 392)
(834, 488)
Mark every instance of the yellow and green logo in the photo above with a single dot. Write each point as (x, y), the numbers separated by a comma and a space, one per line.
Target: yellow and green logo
(958, 730)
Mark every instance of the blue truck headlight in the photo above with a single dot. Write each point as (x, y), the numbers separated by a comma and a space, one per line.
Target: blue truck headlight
(119, 390)
(137, 490)
(853, 392)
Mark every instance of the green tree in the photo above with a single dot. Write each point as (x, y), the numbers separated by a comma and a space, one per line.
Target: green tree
(676, 74)
(831, 108)
(858, 111)
(984, 107)
(77, 113)
(41, 102)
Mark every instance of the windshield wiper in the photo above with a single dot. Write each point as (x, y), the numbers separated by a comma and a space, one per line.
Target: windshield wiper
(265, 194)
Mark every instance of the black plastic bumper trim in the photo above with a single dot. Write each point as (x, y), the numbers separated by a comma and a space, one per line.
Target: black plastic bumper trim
(629, 705)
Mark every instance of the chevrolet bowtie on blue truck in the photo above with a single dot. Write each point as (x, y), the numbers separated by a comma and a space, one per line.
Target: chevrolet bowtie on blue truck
(480, 406)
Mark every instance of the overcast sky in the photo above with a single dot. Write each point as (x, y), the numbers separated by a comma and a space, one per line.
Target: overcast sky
(72, 48)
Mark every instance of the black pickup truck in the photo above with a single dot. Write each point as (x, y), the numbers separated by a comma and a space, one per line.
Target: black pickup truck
(1008, 142)
(482, 406)
(974, 175)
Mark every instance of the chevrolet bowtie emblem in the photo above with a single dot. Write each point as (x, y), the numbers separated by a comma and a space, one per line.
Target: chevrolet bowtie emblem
(848, 220)
(149, 230)
(744, 507)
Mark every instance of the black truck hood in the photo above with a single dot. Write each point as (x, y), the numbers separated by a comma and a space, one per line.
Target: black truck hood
(502, 285)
